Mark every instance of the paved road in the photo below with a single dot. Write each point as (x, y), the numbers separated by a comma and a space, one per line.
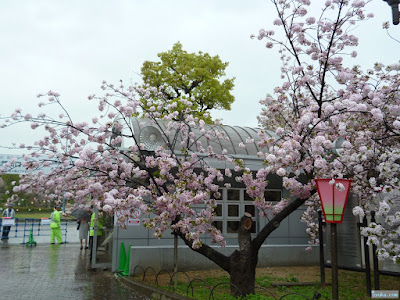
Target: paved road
(55, 272)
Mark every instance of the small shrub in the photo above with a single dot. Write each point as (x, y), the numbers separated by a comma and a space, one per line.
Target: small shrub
(292, 278)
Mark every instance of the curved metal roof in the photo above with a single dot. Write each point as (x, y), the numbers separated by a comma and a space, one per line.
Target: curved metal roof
(232, 136)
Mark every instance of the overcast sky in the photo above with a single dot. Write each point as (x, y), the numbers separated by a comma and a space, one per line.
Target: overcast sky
(71, 46)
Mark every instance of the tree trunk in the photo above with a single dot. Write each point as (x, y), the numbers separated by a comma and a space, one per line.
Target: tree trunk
(243, 273)
(243, 262)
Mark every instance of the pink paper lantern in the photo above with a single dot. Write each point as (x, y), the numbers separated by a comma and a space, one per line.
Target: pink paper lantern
(333, 200)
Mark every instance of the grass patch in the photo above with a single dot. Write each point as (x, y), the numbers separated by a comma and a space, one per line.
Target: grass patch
(35, 215)
(351, 284)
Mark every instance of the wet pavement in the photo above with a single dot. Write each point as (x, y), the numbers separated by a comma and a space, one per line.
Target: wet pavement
(55, 272)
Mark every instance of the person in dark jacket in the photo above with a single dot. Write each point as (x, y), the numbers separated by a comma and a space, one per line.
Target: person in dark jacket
(8, 213)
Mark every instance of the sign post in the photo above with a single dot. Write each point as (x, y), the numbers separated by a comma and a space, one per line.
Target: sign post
(333, 194)
(134, 220)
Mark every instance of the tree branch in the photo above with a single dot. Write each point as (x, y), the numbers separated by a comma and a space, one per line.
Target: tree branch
(217, 257)
(275, 221)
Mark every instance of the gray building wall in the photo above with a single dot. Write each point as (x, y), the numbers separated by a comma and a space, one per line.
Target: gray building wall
(162, 257)
(284, 247)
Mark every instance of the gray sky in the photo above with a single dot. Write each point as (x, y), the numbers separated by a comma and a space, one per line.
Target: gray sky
(71, 46)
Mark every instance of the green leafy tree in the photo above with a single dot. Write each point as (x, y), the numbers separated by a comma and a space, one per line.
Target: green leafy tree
(191, 79)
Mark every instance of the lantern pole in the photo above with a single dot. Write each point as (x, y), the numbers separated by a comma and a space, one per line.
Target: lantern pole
(321, 247)
(334, 266)
(333, 208)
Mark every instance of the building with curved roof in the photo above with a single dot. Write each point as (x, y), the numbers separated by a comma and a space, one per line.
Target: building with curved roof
(231, 206)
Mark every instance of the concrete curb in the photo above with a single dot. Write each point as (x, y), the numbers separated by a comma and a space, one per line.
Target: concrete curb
(148, 290)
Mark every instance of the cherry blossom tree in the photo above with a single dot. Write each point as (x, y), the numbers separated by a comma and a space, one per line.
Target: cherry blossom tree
(320, 102)
(324, 103)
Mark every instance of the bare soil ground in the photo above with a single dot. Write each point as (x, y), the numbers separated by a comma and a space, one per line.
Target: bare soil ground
(303, 273)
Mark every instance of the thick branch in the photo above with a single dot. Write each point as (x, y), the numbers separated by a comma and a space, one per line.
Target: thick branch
(244, 234)
(275, 221)
(220, 259)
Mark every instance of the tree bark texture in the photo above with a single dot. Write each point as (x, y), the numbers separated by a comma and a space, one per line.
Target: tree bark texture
(243, 262)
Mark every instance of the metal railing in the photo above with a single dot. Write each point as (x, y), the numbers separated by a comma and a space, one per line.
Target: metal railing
(190, 290)
(23, 227)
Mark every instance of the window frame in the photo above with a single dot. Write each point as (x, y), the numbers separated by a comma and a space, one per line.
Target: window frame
(241, 203)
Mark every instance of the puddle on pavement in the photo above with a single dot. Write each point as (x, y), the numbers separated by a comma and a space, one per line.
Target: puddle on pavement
(64, 266)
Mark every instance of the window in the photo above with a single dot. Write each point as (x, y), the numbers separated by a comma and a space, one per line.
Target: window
(233, 195)
(233, 210)
(232, 205)
(272, 196)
